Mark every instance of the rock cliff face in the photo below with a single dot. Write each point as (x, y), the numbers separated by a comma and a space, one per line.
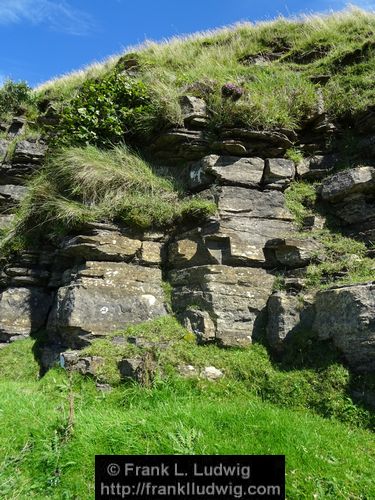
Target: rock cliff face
(222, 272)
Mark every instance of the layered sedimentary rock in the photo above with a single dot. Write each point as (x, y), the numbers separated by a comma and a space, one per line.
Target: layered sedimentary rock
(350, 195)
(221, 303)
(221, 285)
(222, 271)
(102, 297)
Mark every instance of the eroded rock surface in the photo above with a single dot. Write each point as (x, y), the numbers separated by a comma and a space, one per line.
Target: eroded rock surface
(102, 297)
(23, 311)
(347, 316)
(288, 315)
(222, 303)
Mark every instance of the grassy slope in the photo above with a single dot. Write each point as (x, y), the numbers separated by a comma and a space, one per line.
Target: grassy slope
(278, 93)
(40, 459)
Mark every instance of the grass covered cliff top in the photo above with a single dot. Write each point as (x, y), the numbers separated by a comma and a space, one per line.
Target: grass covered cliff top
(277, 64)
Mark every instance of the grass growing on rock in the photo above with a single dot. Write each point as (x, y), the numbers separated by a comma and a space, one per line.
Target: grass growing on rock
(80, 185)
(300, 198)
(346, 260)
(43, 456)
(274, 64)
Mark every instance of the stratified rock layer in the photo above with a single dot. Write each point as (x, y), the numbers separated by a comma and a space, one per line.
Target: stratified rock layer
(222, 303)
(103, 297)
(23, 311)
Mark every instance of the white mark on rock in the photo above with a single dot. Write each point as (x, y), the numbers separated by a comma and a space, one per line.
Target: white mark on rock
(150, 299)
(104, 310)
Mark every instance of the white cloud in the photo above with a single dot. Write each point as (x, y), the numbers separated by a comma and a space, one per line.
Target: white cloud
(59, 15)
(363, 4)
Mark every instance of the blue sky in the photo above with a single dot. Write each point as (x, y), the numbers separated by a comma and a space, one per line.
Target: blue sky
(40, 39)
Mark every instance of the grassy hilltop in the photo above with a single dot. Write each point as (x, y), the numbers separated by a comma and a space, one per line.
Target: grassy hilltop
(278, 91)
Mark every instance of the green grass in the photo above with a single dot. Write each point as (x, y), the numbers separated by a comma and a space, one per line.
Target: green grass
(278, 93)
(346, 262)
(44, 454)
(345, 259)
(80, 185)
(300, 198)
(310, 377)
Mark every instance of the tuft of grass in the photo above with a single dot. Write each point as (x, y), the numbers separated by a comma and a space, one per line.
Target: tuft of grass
(300, 198)
(294, 154)
(80, 185)
(346, 262)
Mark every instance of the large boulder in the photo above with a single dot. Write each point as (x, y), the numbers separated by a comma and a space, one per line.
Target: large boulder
(222, 303)
(23, 311)
(347, 316)
(103, 297)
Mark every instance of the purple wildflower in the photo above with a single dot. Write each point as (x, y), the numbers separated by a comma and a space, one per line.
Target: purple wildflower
(231, 90)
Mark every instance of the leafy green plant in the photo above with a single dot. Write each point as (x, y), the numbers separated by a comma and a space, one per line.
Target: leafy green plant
(13, 95)
(104, 111)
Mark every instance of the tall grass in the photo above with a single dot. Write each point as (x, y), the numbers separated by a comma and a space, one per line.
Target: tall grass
(79, 185)
(278, 93)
